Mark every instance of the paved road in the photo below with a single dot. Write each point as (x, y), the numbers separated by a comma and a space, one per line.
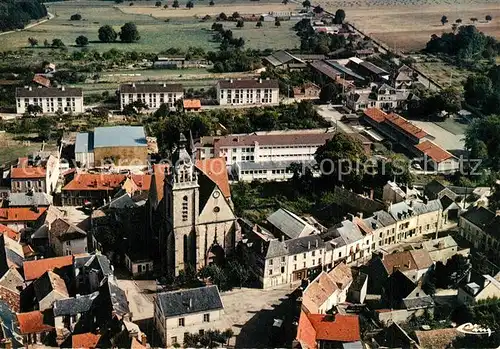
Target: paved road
(333, 116)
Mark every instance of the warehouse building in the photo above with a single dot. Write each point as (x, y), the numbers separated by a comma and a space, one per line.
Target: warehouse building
(124, 147)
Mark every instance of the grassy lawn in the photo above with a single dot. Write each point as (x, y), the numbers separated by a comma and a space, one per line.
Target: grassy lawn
(443, 73)
(11, 148)
(156, 34)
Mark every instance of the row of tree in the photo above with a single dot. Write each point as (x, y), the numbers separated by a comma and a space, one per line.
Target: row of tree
(128, 33)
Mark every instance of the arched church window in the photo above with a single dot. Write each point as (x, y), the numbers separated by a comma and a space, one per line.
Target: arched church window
(185, 208)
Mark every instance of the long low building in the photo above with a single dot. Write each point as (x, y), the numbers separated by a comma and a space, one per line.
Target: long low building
(248, 92)
(153, 95)
(50, 99)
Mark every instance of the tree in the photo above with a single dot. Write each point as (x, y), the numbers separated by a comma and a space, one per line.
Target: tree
(46, 43)
(57, 43)
(483, 133)
(454, 27)
(158, 4)
(429, 286)
(134, 108)
(240, 23)
(457, 267)
(82, 41)
(458, 21)
(477, 90)
(239, 272)
(318, 9)
(33, 42)
(306, 4)
(165, 6)
(76, 17)
(106, 33)
(488, 18)
(277, 22)
(339, 16)
(118, 1)
(190, 4)
(444, 20)
(44, 125)
(228, 334)
(211, 3)
(129, 32)
(33, 109)
(329, 93)
(259, 24)
(131, 4)
(222, 17)
(235, 15)
(473, 19)
(175, 4)
(284, 2)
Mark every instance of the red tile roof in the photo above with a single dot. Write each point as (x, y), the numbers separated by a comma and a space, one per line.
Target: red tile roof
(405, 125)
(143, 182)
(87, 181)
(32, 322)
(41, 80)
(433, 151)
(27, 172)
(375, 114)
(319, 327)
(14, 235)
(20, 214)
(216, 170)
(192, 104)
(159, 171)
(34, 269)
(85, 340)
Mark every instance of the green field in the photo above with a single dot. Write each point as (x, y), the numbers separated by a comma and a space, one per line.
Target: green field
(156, 34)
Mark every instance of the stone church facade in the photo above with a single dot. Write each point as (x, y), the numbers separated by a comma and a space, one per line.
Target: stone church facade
(199, 223)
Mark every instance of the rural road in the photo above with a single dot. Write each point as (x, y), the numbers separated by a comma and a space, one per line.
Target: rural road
(49, 15)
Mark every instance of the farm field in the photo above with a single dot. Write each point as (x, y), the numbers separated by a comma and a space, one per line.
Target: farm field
(156, 34)
(409, 27)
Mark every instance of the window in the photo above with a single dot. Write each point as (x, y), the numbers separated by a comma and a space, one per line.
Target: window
(68, 243)
(295, 267)
(270, 262)
(340, 254)
(282, 270)
(313, 253)
(418, 294)
(295, 258)
(314, 261)
(319, 260)
(206, 317)
(270, 272)
(185, 208)
(283, 259)
(173, 340)
(304, 256)
(304, 264)
(181, 322)
(201, 332)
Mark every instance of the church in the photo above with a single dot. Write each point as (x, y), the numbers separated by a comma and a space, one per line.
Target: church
(190, 203)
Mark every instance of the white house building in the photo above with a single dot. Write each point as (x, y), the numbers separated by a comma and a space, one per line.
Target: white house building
(67, 239)
(50, 99)
(264, 155)
(247, 92)
(153, 95)
(187, 311)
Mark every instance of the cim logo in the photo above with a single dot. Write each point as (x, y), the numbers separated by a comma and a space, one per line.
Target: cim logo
(474, 329)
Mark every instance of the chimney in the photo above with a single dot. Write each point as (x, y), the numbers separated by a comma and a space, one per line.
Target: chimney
(282, 238)
(260, 81)
(30, 88)
(190, 303)
(62, 88)
(231, 81)
(133, 84)
(309, 245)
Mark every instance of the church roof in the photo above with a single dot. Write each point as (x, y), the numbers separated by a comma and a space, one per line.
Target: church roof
(216, 170)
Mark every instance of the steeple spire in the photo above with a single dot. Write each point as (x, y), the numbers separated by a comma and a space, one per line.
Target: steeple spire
(182, 163)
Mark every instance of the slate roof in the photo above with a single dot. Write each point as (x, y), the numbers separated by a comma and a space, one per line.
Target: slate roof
(227, 84)
(288, 223)
(29, 199)
(117, 296)
(479, 216)
(418, 303)
(276, 248)
(74, 306)
(84, 142)
(379, 219)
(99, 262)
(120, 136)
(435, 187)
(47, 283)
(189, 301)
(151, 88)
(373, 68)
(301, 245)
(49, 92)
(446, 202)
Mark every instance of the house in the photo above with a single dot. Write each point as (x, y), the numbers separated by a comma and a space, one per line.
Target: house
(399, 292)
(29, 199)
(41, 80)
(307, 90)
(123, 147)
(442, 249)
(35, 269)
(487, 287)
(436, 190)
(359, 289)
(380, 96)
(479, 226)
(90, 270)
(153, 95)
(332, 71)
(290, 225)
(436, 158)
(186, 311)
(50, 99)
(281, 59)
(35, 175)
(413, 264)
(69, 311)
(196, 199)
(48, 288)
(5, 230)
(138, 264)
(327, 331)
(67, 239)
(248, 92)
(19, 218)
(441, 338)
(264, 155)
(394, 193)
(11, 284)
(40, 237)
(327, 290)
(405, 76)
(34, 327)
(191, 104)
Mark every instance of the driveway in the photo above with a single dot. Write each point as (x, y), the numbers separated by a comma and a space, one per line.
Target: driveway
(333, 117)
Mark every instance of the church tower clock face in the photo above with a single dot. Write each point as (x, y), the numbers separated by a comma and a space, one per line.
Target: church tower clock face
(216, 194)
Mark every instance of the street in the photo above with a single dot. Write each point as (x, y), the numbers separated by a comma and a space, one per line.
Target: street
(334, 117)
